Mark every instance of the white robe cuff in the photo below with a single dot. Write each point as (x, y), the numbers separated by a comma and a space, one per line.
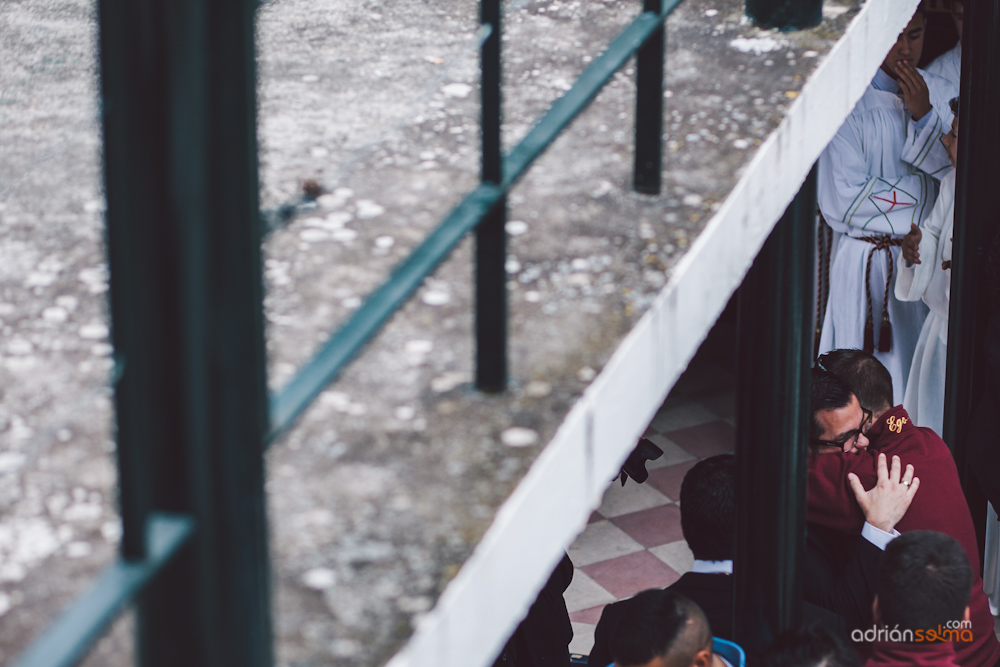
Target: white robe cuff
(877, 536)
(712, 566)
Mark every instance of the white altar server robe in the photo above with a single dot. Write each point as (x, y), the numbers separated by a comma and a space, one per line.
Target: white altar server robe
(927, 281)
(876, 177)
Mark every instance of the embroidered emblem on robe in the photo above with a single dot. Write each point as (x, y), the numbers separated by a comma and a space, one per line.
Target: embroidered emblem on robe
(896, 425)
(891, 199)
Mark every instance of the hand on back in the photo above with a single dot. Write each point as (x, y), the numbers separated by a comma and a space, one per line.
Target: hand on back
(886, 502)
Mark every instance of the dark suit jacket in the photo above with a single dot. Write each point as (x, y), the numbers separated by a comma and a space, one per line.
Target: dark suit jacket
(542, 638)
(846, 590)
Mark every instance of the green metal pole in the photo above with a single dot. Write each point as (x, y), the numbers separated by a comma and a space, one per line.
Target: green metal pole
(130, 103)
(649, 108)
(178, 85)
(775, 349)
(785, 15)
(491, 236)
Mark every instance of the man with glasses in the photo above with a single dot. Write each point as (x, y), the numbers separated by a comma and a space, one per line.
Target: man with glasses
(845, 460)
(840, 573)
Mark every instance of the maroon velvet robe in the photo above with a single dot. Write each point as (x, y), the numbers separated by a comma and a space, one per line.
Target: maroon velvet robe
(939, 505)
(887, 654)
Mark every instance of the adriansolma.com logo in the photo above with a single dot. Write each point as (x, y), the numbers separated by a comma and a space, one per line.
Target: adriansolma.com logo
(952, 631)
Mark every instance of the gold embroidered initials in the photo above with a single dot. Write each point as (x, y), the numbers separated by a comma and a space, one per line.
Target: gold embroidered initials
(896, 425)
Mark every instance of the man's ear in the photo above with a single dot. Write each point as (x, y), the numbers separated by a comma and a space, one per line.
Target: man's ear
(702, 658)
(875, 612)
(966, 616)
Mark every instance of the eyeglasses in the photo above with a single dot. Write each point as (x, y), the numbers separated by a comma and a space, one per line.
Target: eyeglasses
(852, 437)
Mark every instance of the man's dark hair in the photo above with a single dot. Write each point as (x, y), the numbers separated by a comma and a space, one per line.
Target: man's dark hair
(924, 581)
(810, 646)
(659, 622)
(708, 508)
(828, 392)
(864, 374)
(953, 103)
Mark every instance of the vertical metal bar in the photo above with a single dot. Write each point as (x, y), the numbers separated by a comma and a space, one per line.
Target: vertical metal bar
(976, 202)
(775, 351)
(649, 108)
(491, 237)
(785, 15)
(132, 177)
(178, 81)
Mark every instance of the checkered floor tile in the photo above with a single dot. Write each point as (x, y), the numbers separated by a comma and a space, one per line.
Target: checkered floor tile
(634, 541)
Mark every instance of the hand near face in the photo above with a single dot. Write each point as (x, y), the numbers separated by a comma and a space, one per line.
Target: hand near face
(915, 93)
(911, 245)
(886, 503)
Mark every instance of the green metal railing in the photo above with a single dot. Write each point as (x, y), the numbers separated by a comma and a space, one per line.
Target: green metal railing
(484, 208)
(177, 81)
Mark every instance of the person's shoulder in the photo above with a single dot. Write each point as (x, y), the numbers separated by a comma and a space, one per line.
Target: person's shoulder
(938, 85)
(693, 582)
(947, 189)
(905, 436)
(946, 60)
(613, 610)
(874, 102)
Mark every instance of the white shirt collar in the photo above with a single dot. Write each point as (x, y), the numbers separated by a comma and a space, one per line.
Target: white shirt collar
(883, 81)
(712, 566)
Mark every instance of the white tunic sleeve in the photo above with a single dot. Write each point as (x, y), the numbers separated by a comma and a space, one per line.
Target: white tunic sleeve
(949, 64)
(912, 281)
(923, 148)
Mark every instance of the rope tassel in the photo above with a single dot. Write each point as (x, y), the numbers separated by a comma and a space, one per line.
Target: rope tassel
(884, 336)
(883, 243)
(869, 337)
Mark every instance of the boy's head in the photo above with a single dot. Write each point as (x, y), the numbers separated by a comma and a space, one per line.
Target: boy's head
(810, 646)
(660, 628)
(924, 581)
(909, 45)
(708, 507)
(864, 375)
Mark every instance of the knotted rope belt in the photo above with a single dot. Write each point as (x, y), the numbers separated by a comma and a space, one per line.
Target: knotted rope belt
(885, 331)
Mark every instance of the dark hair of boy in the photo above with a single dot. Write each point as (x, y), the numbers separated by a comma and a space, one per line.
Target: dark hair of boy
(810, 646)
(660, 623)
(827, 392)
(924, 581)
(708, 499)
(865, 375)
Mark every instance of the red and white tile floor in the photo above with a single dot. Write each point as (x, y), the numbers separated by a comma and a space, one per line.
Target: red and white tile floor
(634, 541)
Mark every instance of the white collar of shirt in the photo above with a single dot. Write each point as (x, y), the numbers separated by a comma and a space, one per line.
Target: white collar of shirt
(883, 81)
(712, 566)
